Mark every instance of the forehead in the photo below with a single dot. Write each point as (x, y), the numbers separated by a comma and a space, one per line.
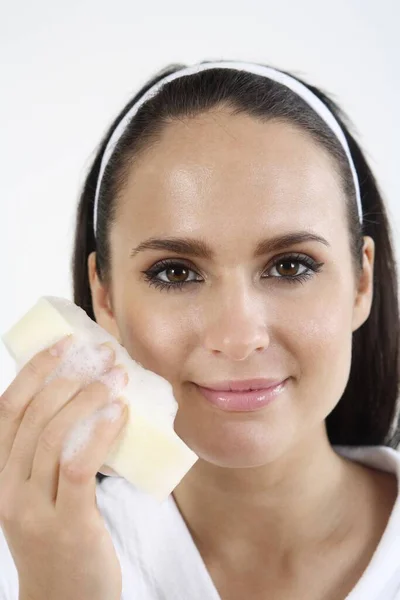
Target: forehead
(220, 172)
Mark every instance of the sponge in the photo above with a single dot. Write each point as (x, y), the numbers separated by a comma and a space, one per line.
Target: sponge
(147, 452)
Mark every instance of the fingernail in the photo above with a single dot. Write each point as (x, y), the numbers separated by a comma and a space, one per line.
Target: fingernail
(107, 352)
(60, 347)
(111, 412)
(115, 379)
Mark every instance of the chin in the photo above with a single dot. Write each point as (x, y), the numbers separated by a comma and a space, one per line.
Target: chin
(232, 458)
(237, 444)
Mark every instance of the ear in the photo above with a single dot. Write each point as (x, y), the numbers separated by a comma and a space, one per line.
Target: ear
(101, 300)
(365, 285)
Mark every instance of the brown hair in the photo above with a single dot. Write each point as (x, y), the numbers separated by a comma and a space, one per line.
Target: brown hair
(367, 411)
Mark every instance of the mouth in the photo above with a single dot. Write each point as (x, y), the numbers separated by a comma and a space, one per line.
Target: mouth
(243, 400)
(244, 385)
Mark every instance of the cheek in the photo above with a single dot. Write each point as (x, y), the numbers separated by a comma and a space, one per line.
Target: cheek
(322, 345)
(157, 340)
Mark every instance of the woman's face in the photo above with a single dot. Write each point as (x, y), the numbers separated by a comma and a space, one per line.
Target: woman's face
(233, 182)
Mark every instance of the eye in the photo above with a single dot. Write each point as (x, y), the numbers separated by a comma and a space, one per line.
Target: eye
(294, 268)
(176, 272)
(289, 264)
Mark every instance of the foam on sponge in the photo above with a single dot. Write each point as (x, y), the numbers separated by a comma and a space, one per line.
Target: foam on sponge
(147, 452)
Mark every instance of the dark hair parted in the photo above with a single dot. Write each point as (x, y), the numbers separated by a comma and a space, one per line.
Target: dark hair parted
(367, 411)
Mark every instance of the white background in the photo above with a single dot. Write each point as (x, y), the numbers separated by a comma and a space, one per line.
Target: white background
(68, 68)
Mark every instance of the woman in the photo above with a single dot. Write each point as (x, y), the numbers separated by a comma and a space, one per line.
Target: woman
(241, 192)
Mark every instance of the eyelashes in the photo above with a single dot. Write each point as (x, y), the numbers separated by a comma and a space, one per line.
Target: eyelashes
(151, 275)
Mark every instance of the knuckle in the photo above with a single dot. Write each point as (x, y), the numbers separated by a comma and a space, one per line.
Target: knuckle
(49, 440)
(34, 368)
(76, 474)
(33, 415)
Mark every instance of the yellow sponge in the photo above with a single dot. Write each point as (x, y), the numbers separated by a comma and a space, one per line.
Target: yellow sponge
(147, 452)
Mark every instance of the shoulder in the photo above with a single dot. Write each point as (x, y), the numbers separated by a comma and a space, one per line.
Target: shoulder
(377, 520)
(377, 474)
(382, 458)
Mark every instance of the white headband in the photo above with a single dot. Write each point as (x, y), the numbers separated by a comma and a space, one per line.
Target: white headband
(301, 90)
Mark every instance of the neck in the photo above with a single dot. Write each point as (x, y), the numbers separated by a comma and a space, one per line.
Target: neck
(294, 503)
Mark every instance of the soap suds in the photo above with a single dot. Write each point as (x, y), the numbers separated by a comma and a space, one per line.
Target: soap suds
(82, 432)
(151, 393)
(83, 360)
(114, 382)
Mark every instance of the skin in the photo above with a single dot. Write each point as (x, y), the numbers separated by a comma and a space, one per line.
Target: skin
(268, 481)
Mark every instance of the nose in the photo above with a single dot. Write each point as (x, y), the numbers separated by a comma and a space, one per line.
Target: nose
(236, 326)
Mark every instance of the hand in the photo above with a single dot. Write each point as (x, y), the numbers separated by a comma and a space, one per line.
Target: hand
(48, 513)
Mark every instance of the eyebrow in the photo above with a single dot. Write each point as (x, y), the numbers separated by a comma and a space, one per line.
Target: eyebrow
(199, 249)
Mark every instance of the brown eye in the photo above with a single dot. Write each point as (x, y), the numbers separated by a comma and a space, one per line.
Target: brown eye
(287, 268)
(176, 274)
(293, 268)
(171, 275)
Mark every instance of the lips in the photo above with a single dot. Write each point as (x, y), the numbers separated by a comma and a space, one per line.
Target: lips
(241, 401)
(245, 385)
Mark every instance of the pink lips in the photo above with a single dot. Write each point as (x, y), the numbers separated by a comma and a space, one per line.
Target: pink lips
(243, 400)
(244, 385)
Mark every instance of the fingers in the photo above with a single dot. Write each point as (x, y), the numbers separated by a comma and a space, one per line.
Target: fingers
(44, 410)
(41, 410)
(77, 476)
(55, 441)
(23, 388)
